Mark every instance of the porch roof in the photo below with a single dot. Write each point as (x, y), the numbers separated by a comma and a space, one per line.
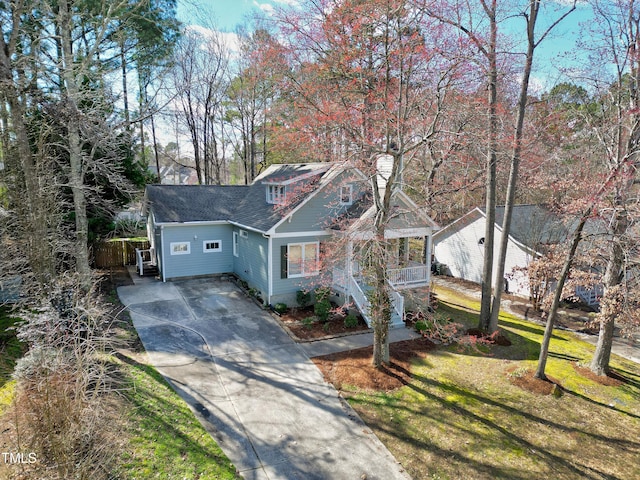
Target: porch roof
(406, 218)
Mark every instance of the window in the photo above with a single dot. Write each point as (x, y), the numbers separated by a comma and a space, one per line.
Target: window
(346, 194)
(244, 234)
(302, 259)
(276, 194)
(212, 246)
(235, 244)
(180, 248)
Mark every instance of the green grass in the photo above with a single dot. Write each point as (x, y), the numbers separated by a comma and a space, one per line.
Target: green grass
(462, 417)
(166, 440)
(10, 351)
(162, 437)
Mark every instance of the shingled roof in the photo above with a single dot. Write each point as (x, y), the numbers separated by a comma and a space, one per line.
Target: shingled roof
(242, 204)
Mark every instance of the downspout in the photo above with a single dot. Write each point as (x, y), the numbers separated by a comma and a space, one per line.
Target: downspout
(269, 267)
(163, 252)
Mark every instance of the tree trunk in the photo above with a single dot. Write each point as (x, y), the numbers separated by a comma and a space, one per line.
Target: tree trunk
(513, 173)
(553, 311)
(76, 164)
(611, 304)
(490, 200)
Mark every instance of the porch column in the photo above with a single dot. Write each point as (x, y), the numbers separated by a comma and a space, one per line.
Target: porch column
(429, 252)
(348, 270)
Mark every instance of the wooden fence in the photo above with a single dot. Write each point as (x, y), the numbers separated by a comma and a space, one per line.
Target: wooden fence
(115, 253)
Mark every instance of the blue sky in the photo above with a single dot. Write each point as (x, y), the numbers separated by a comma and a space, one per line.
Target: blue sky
(227, 14)
(556, 51)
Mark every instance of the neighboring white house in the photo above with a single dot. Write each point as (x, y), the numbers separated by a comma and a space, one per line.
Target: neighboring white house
(460, 245)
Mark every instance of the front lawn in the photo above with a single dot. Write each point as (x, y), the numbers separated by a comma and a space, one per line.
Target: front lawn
(165, 440)
(461, 413)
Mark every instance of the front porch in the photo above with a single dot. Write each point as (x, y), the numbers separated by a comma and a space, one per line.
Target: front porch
(409, 268)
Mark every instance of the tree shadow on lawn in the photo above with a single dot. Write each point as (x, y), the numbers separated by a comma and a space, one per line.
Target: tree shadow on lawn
(522, 347)
(458, 408)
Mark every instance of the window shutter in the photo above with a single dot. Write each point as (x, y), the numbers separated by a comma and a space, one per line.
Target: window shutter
(283, 261)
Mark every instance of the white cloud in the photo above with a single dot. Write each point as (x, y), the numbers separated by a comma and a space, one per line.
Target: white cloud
(229, 39)
(269, 8)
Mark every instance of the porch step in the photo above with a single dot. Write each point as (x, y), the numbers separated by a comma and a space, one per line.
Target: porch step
(149, 270)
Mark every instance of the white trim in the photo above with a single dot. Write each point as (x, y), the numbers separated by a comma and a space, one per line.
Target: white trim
(303, 257)
(315, 192)
(243, 233)
(304, 176)
(198, 222)
(407, 232)
(276, 193)
(179, 252)
(315, 233)
(270, 269)
(162, 252)
(350, 201)
(211, 250)
(236, 244)
(244, 227)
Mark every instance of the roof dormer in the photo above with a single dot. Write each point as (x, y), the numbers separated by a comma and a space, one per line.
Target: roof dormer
(276, 193)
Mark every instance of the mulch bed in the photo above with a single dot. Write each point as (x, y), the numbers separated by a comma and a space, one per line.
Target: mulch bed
(292, 319)
(355, 368)
(536, 385)
(610, 380)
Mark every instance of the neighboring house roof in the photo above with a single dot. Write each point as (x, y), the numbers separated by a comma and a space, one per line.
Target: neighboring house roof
(532, 226)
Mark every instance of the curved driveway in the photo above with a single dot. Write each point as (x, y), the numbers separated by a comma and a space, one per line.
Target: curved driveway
(253, 388)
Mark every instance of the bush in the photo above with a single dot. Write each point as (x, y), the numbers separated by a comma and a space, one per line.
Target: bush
(308, 322)
(351, 321)
(280, 308)
(322, 309)
(322, 293)
(421, 326)
(303, 298)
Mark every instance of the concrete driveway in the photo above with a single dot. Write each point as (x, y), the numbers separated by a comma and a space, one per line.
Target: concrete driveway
(252, 387)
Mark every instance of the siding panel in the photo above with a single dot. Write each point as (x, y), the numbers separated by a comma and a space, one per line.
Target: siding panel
(461, 251)
(251, 263)
(322, 208)
(197, 262)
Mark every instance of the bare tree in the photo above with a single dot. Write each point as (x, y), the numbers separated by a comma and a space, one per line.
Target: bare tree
(200, 85)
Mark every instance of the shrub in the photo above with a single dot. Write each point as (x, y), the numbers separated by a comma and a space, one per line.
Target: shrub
(322, 309)
(421, 326)
(303, 298)
(280, 308)
(322, 293)
(351, 321)
(308, 322)
(325, 327)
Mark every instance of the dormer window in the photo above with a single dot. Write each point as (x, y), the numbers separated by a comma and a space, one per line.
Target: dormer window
(276, 194)
(346, 194)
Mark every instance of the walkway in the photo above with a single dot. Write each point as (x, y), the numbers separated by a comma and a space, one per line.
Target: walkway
(253, 388)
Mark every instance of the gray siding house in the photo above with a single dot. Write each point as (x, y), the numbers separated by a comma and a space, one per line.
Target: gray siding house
(459, 246)
(297, 226)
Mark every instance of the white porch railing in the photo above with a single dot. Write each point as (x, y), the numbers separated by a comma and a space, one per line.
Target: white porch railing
(590, 296)
(143, 257)
(360, 299)
(397, 302)
(351, 287)
(419, 274)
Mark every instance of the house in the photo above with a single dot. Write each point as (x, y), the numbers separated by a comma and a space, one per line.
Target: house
(459, 247)
(297, 226)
